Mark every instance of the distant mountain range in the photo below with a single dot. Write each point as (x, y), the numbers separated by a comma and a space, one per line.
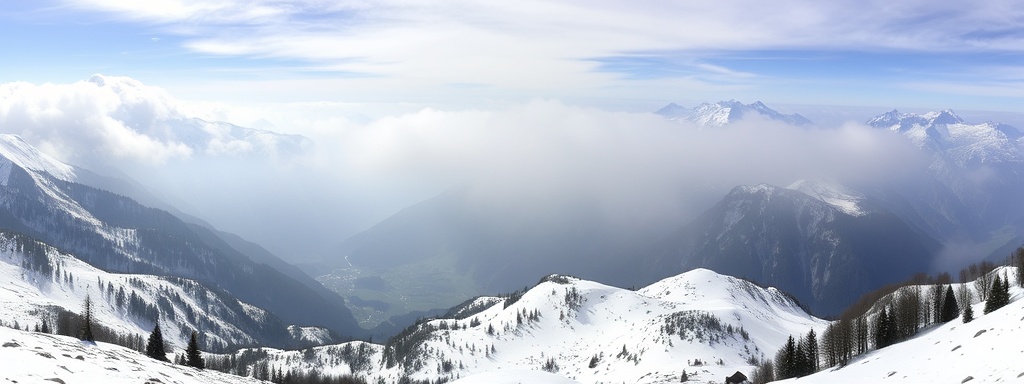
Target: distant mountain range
(972, 189)
(727, 112)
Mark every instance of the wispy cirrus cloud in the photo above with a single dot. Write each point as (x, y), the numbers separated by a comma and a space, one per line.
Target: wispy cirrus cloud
(543, 44)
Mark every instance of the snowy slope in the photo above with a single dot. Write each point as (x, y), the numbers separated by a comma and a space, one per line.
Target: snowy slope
(40, 358)
(114, 233)
(514, 377)
(15, 151)
(726, 112)
(986, 350)
(36, 277)
(586, 332)
(837, 195)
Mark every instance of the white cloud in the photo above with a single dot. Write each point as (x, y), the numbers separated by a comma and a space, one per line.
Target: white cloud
(547, 151)
(85, 120)
(373, 159)
(112, 119)
(546, 46)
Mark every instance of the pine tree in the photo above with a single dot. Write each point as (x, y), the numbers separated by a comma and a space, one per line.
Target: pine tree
(999, 296)
(785, 360)
(155, 347)
(950, 310)
(812, 352)
(86, 333)
(194, 358)
(968, 313)
(882, 329)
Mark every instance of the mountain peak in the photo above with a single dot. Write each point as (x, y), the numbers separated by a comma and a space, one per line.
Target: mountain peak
(903, 122)
(673, 110)
(945, 116)
(727, 112)
(946, 132)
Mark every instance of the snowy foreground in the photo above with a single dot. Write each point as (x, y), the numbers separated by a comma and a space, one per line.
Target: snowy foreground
(989, 349)
(567, 330)
(30, 357)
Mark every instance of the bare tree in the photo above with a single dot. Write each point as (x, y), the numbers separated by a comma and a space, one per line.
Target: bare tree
(1017, 260)
(981, 273)
(963, 295)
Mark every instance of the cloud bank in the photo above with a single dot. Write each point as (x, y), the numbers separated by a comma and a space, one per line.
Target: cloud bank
(111, 119)
(636, 168)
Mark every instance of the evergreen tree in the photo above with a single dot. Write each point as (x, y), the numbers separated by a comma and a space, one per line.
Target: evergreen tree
(999, 296)
(812, 352)
(968, 313)
(799, 367)
(882, 329)
(784, 360)
(86, 333)
(194, 358)
(155, 347)
(950, 310)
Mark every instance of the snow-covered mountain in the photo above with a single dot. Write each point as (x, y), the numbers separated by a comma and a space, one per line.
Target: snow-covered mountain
(726, 112)
(824, 243)
(582, 331)
(32, 357)
(965, 144)
(971, 189)
(41, 282)
(16, 152)
(116, 234)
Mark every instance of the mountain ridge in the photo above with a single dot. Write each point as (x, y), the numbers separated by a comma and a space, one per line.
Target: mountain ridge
(727, 112)
(117, 234)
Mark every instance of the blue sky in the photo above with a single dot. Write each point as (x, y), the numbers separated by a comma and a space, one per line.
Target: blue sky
(639, 55)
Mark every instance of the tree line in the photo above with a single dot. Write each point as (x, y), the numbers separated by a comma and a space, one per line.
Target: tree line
(890, 315)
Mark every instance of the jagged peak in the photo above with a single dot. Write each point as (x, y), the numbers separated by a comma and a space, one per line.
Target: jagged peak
(726, 112)
(904, 121)
(945, 116)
